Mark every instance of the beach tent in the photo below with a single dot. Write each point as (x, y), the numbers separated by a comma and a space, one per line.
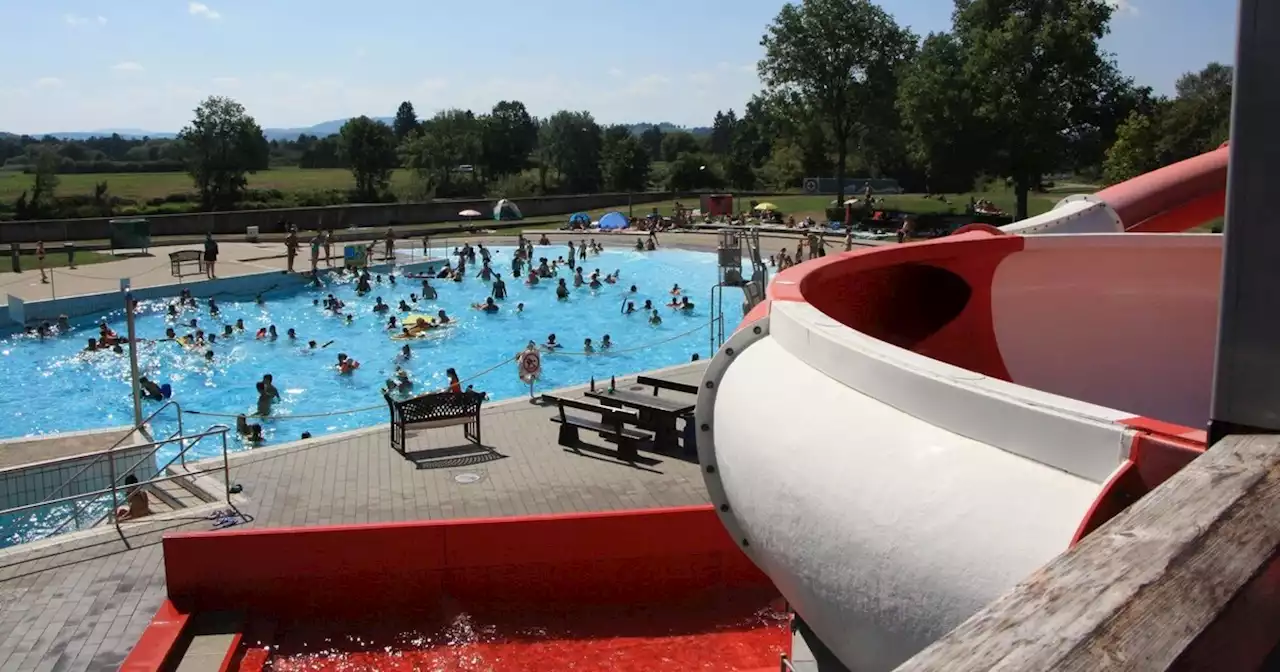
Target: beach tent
(505, 210)
(580, 217)
(613, 221)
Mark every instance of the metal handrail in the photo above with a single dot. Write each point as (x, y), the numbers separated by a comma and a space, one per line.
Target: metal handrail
(785, 665)
(108, 451)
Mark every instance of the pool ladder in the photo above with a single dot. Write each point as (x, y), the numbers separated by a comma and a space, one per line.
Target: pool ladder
(733, 243)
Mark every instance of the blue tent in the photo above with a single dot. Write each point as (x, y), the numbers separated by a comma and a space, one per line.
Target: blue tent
(613, 221)
(580, 217)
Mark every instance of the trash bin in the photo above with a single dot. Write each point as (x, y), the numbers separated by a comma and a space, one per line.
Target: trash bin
(15, 254)
(70, 248)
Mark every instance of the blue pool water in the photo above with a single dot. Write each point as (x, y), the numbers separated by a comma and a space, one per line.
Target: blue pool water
(52, 386)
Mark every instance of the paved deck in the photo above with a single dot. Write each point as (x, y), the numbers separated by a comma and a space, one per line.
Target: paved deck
(80, 604)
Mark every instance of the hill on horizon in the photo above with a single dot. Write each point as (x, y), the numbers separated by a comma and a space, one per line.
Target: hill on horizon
(322, 129)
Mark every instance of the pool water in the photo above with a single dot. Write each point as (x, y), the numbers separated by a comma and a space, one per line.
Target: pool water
(53, 386)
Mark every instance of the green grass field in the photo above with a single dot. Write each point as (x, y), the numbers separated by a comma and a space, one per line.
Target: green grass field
(145, 186)
(56, 258)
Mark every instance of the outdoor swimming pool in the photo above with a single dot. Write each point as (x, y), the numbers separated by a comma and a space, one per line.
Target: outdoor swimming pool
(55, 387)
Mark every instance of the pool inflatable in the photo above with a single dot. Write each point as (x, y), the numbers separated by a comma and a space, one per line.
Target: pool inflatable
(956, 412)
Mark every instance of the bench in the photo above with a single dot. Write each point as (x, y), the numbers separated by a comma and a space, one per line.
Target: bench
(612, 425)
(660, 384)
(183, 259)
(431, 411)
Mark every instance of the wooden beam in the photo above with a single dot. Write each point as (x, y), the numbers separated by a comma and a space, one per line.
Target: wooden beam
(1139, 591)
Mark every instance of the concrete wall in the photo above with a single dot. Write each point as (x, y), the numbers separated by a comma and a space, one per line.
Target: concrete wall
(20, 486)
(339, 217)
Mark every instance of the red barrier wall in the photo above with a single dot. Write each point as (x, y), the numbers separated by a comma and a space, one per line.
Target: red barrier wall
(630, 556)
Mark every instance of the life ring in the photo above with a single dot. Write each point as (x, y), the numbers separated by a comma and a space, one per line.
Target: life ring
(530, 363)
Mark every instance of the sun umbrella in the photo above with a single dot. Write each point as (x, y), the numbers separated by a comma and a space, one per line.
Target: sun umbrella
(580, 217)
(469, 213)
(766, 206)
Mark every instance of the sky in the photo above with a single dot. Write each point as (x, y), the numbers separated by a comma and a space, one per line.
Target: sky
(83, 65)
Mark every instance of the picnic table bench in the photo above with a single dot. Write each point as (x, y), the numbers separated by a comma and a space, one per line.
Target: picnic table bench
(657, 414)
(438, 409)
(612, 425)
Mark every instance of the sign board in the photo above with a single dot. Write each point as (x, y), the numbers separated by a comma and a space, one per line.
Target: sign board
(355, 256)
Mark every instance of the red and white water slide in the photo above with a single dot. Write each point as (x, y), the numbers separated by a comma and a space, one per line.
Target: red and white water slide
(900, 434)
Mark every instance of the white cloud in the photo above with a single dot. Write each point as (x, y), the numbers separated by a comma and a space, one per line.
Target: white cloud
(49, 83)
(203, 10)
(78, 21)
(127, 66)
(615, 72)
(1123, 7)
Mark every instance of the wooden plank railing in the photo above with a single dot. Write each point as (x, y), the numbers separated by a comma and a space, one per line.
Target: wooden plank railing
(1186, 578)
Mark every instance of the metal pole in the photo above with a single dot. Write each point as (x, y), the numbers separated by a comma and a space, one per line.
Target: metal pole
(133, 360)
(1246, 380)
(226, 467)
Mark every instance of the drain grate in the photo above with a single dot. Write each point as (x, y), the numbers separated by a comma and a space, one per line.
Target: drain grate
(466, 478)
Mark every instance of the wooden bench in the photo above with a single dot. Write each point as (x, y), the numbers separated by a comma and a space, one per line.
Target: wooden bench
(612, 425)
(660, 384)
(431, 411)
(183, 259)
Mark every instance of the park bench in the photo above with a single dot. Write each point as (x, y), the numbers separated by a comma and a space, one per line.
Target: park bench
(432, 411)
(612, 425)
(182, 260)
(660, 384)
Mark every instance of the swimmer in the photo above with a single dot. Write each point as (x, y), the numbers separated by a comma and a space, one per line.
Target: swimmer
(648, 305)
(149, 389)
(595, 281)
(532, 280)
(455, 385)
(401, 382)
(345, 364)
(488, 306)
(519, 307)
(208, 355)
(633, 289)
(406, 352)
(639, 244)
(443, 316)
(379, 306)
(485, 273)
(259, 300)
(311, 345)
(675, 290)
(499, 287)
(562, 291)
(631, 307)
(192, 323)
(655, 319)
(226, 331)
(391, 324)
(264, 399)
(293, 335)
(428, 292)
(240, 324)
(391, 278)
(173, 310)
(674, 302)
(551, 343)
(350, 318)
(117, 349)
(577, 278)
(170, 334)
(213, 308)
(403, 307)
(685, 304)
(606, 342)
(586, 346)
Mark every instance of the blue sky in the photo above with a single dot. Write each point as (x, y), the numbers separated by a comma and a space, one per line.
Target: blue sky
(68, 65)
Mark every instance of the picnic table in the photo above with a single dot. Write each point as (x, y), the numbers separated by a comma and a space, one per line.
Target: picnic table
(657, 414)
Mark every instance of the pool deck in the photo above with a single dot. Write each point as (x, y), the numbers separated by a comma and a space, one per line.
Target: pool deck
(80, 602)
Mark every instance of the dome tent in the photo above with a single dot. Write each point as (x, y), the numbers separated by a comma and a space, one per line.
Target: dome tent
(505, 210)
(614, 221)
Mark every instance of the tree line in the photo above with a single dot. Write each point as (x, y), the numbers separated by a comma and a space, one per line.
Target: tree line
(1017, 90)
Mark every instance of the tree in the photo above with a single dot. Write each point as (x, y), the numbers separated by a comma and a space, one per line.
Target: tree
(446, 141)
(624, 162)
(44, 192)
(722, 132)
(224, 145)
(573, 142)
(1135, 151)
(692, 171)
(406, 121)
(838, 59)
(1035, 72)
(369, 147)
(678, 142)
(651, 140)
(937, 113)
(509, 136)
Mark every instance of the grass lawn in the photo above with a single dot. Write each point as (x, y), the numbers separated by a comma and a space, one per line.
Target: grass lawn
(145, 186)
(56, 258)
